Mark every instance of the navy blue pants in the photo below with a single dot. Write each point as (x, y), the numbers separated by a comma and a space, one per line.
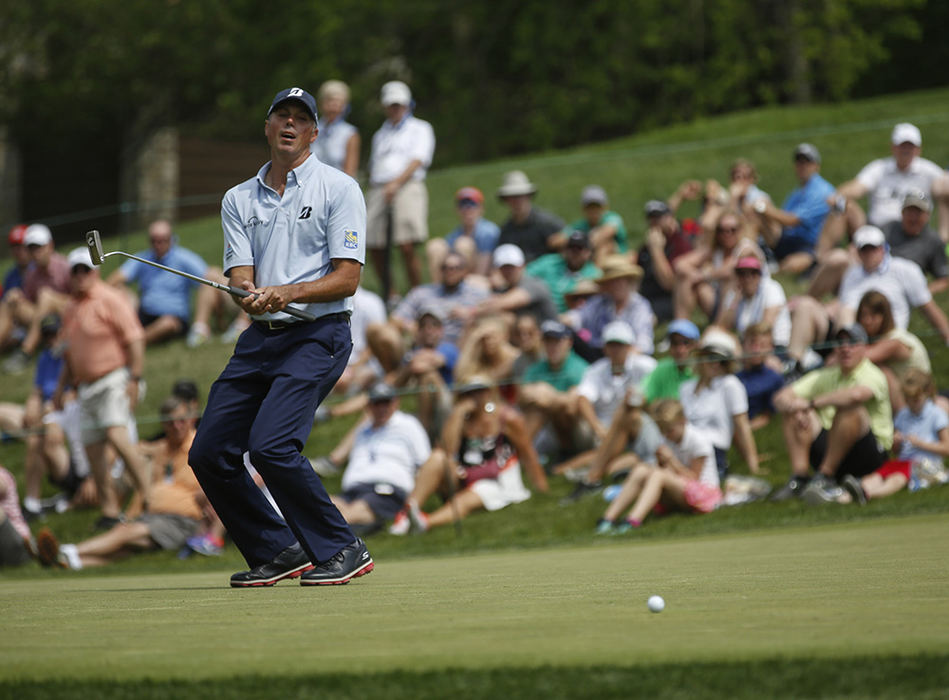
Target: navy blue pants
(263, 403)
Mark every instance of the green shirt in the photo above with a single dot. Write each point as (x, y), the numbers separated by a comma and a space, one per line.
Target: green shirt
(552, 270)
(828, 379)
(567, 377)
(664, 381)
(609, 217)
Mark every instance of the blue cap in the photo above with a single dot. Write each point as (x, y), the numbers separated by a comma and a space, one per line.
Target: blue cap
(298, 94)
(685, 328)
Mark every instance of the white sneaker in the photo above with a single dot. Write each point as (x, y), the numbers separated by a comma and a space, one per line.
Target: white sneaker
(418, 518)
(400, 526)
(198, 335)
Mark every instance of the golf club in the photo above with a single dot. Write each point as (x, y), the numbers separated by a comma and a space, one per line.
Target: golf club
(94, 243)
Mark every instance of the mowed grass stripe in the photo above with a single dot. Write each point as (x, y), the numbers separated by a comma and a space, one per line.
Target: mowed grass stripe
(874, 588)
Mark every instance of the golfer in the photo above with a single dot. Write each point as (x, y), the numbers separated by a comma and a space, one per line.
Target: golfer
(294, 234)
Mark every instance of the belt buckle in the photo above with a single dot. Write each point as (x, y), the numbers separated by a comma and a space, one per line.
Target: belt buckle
(276, 325)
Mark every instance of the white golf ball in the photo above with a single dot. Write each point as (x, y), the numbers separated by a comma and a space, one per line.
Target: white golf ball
(656, 603)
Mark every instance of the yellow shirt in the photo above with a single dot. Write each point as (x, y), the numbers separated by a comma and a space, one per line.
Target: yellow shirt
(823, 381)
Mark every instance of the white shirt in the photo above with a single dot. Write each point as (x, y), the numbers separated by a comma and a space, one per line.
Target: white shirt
(331, 142)
(368, 308)
(606, 390)
(887, 185)
(388, 455)
(290, 239)
(749, 311)
(394, 146)
(696, 443)
(713, 408)
(900, 280)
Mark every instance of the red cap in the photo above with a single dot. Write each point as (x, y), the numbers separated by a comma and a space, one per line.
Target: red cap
(749, 262)
(472, 193)
(17, 234)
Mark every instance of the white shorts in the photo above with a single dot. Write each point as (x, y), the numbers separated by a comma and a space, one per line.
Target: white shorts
(508, 488)
(104, 403)
(409, 215)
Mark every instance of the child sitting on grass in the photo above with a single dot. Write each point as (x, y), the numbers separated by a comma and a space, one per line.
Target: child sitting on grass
(921, 440)
(685, 479)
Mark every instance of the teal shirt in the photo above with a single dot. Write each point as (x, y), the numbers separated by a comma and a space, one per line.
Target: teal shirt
(552, 270)
(567, 377)
(609, 217)
(664, 381)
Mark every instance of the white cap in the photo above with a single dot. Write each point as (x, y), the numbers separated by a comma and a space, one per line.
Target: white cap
(593, 194)
(80, 256)
(508, 254)
(868, 235)
(516, 183)
(906, 133)
(395, 92)
(37, 234)
(618, 332)
(718, 342)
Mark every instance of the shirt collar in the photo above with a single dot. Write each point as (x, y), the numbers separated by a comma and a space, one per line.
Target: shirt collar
(296, 177)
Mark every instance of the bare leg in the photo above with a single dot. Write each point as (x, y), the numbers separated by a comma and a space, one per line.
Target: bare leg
(48, 302)
(385, 342)
(799, 431)
(623, 428)
(431, 475)
(630, 491)
(99, 465)
(661, 482)
(354, 512)
(830, 272)
(162, 328)
(874, 486)
(114, 544)
(461, 506)
(413, 266)
(118, 437)
(809, 322)
(796, 263)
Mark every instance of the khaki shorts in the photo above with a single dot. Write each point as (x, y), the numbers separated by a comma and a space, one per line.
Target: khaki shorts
(103, 404)
(409, 215)
(169, 531)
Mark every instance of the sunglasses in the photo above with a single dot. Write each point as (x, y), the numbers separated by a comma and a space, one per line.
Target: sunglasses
(449, 268)
(79, 270)
(747, 272)
(467, 203)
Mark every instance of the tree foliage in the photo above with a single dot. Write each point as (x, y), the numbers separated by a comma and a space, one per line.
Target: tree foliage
(495, 78)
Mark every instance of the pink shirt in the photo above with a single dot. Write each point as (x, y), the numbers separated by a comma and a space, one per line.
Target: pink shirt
(55, 276)
(10, 503)
(98, 329)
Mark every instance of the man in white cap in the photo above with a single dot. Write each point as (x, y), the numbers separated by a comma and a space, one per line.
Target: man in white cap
(104, 357)
(45, 290)
(885, 182)
(401, 154)
(900, 280)
(518, 293)
(532, 229)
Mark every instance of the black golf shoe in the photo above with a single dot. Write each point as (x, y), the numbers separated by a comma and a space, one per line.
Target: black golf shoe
(350, 562)
(290, 563)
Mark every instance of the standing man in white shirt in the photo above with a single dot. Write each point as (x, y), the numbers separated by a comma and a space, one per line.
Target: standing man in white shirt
(402, 151)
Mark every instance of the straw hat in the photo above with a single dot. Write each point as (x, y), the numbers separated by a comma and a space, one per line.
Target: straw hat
(516, 183)
(617, 267)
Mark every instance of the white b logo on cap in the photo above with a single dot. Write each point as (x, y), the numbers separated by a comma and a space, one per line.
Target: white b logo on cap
(295, 92)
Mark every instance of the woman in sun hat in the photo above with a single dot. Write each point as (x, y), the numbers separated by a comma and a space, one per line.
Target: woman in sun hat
(716, 400)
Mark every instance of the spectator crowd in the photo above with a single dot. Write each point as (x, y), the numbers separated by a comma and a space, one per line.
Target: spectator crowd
(643, 355)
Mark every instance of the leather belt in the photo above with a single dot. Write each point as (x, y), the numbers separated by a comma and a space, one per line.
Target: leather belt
(282, 325)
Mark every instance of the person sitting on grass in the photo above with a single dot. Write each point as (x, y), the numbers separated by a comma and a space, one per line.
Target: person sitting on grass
(921, 440)
(717, 402)
(836, 420)
(16, 540)
(175, 507)
(685, 476)
(484, 444)
(761, 382)
(384, 452)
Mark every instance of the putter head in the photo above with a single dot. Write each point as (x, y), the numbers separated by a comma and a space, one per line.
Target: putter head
(94, 244)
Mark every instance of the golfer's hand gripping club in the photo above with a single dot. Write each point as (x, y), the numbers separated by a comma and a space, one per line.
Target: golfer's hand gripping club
(94, 243)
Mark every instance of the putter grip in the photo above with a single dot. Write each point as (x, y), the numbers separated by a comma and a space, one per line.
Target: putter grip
(299, 313)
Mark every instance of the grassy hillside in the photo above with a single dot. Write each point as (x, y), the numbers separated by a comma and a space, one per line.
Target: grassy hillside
(632, 170)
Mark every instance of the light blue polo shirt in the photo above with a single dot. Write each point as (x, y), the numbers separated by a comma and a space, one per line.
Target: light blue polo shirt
(291, 239)
(161, 292)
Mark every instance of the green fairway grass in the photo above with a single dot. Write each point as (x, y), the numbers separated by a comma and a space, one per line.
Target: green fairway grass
(849, 592)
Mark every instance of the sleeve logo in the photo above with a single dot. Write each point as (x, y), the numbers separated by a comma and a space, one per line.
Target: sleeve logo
(350, 239)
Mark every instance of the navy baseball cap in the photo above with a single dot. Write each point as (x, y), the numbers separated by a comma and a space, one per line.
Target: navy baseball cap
(380, 391)
(298, 94)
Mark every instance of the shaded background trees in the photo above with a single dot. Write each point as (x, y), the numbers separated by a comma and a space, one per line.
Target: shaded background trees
(84, 82)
